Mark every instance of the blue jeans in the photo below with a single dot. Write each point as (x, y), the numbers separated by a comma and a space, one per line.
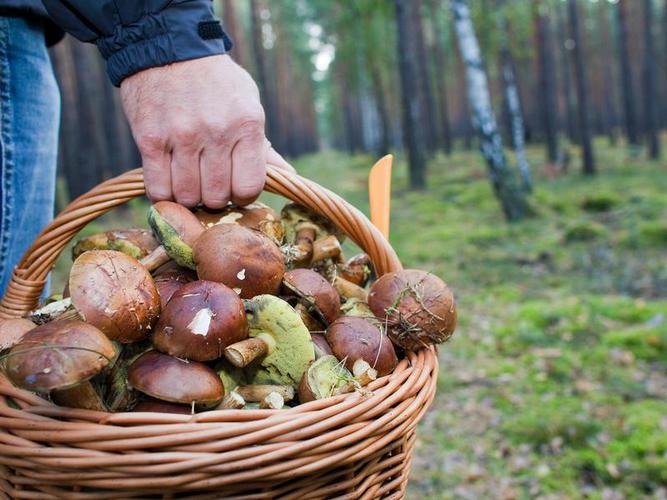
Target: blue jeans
(29, 117)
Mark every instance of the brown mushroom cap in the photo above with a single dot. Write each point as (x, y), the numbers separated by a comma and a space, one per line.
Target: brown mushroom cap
(13, 330)
(256, 216)
(175, 380)
(134, 242)
(157, 406)
(315, 290)
(58, 355)
(321, 345)
(115, 293)
(200, 320)
(418, 307)
(352, 338)
(170, 278)
(244, 260)
(357, 269)
(182, 220)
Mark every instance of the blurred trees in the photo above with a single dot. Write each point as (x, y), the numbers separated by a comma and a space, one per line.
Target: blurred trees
(377, 76)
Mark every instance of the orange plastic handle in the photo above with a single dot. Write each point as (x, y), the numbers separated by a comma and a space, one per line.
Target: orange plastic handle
(379, 194)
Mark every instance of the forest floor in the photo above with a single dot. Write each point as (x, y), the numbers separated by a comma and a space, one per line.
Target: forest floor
(555, 383)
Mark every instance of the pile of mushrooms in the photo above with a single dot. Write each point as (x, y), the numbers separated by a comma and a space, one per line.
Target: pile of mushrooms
(240, 308)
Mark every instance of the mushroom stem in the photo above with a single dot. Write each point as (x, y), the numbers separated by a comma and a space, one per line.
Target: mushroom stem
(50, 311)
(348, 290)
(363, 373)
(258, 392)
(327, 247)
(155, 259)
(311, 323)
(241, 354)
(232, 401)
(303, 242)
(273, 401)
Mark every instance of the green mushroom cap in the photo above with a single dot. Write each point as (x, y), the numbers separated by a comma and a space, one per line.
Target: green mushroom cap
(291, 352)
(176, 243)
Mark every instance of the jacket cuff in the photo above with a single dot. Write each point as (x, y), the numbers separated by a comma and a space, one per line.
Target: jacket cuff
(184, 30)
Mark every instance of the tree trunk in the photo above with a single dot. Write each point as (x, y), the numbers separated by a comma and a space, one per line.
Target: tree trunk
(233, 27)
(428, 104)
(265, 84)
(511, 197)
(582, 90)
(547, 81)
(650, 96)
(566, 80)
(413, 114)
(629, 108)
(440, 67)
(513, 106)
(608, 62)
(382, 110)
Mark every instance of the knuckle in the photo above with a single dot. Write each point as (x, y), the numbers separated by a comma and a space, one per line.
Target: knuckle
(151, 144)
(184, 134)
(248, 192)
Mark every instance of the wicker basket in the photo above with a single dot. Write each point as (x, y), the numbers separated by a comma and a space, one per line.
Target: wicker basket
(349, 446)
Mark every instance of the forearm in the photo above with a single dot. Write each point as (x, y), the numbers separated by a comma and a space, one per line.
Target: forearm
(136, 35)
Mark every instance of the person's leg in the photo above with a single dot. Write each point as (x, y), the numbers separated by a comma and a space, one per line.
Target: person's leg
(29, 117)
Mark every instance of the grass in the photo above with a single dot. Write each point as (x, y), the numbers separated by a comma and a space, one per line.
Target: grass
(555, 384)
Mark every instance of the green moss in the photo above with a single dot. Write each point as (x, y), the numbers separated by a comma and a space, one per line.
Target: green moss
(600, 202)
(653, 233)
(644, 342)
(584, 231)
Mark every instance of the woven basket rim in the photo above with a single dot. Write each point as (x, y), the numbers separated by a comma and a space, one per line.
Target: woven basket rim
(50, 446)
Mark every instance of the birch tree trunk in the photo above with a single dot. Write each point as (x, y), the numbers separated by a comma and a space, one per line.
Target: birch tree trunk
(516, 117)
(650, 96)
(582, 90)
(512, 198)
(413, 112)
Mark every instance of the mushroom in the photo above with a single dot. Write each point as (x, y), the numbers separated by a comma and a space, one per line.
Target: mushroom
(175, 380)
(156, 406)
(57, 356)
(200, 320)
(134, 242)
(85, 395)
(230, 375)
(257, 392)
(13, 330)
(177, 229)
(273, 401)
(352, 338)
(302, 228)
(363, 375)
(322, 379)
(169, 278)
(244, 260)
(118, 395)
(357, 307)
(112, 291)
(417, 306)
(232, 401)
(313, 291)
(327, 247)
(357, 269)
(348, 290)
(311, 323)
(256, 216)
(279, 342)
(320, 345)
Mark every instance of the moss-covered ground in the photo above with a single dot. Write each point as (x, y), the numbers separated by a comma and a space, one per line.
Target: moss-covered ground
(555, 384)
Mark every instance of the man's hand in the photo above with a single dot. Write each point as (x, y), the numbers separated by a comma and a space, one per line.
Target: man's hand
(199, 125)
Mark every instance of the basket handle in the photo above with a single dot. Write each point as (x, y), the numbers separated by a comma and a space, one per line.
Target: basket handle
(29, 277)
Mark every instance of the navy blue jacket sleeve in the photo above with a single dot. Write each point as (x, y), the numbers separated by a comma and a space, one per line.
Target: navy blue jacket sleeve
(133, 35)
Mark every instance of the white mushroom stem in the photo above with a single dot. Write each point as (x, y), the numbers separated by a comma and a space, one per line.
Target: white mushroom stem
(327, 247)
(241, 354)
(273, 401)
(232, 401)
(61, 309)
(155, 259)
(348, 290)
(258, 392)
(363, 373)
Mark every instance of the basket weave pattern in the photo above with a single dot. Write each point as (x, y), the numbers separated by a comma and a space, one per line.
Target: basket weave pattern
(348, 446)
